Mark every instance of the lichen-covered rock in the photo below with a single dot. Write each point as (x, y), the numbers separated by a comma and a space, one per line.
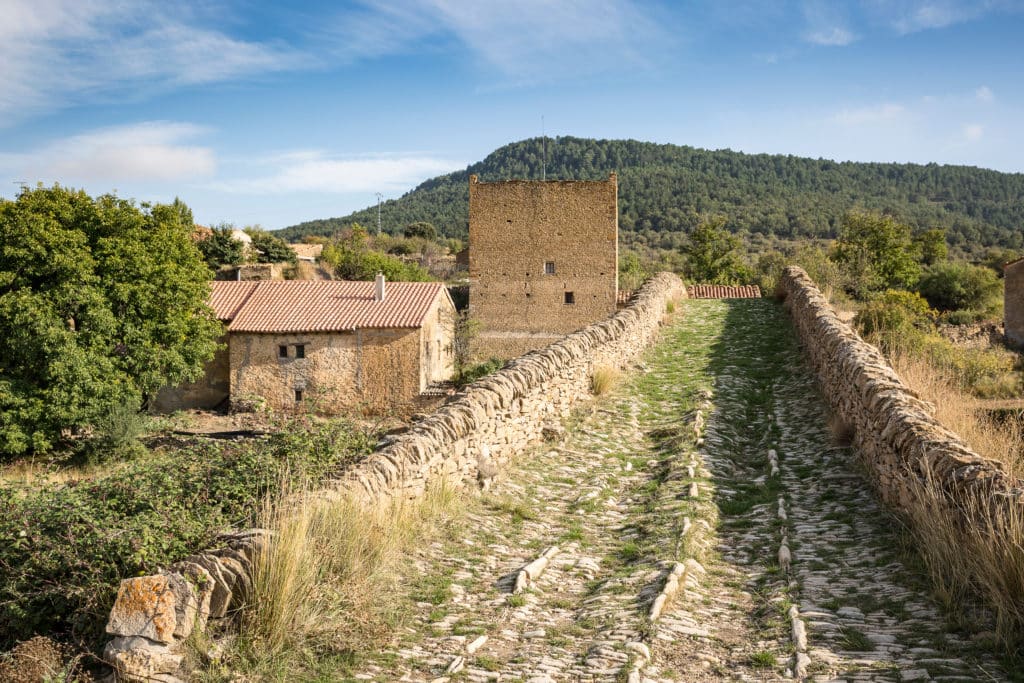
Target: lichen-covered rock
(135, 658)
(145, 606)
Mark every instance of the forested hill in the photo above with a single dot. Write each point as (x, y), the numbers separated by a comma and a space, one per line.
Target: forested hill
(663, 189)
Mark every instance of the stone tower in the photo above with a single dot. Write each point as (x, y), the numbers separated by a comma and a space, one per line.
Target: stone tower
(543, 259)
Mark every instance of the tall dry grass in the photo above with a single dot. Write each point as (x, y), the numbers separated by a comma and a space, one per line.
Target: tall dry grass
(328, 577)
(973, 547)
(1002, 441)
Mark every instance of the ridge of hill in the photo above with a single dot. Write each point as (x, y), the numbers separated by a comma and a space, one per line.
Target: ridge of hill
(664, 189)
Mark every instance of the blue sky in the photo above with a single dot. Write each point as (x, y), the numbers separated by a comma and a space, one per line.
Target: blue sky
(256, 113)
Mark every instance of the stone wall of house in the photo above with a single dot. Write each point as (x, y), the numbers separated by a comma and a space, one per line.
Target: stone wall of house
(516, 227)
(892, 429)
(435, 343)
(465, 441)
(373, 370)
(206, 393)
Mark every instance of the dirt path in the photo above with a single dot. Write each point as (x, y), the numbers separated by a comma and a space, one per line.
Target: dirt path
(697, 525)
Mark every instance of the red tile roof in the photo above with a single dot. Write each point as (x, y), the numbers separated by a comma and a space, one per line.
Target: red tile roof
(321, 305)
(723, 292)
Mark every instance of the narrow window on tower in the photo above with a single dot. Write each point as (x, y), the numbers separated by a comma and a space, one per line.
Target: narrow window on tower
(570, 298)
(549, 267)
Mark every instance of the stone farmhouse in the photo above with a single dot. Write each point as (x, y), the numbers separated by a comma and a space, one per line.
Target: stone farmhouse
(1013, 301)
(543, 260)
(327, 345)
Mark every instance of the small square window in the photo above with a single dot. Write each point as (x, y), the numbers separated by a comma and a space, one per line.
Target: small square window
(570, 298)
(298, 395)
(549, 267)
(300, 350)
(282, 351)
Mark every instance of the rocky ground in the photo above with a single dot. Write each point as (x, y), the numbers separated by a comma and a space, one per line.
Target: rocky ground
(696, 524)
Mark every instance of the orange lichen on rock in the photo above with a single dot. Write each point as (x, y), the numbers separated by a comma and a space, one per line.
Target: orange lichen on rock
(144, 607)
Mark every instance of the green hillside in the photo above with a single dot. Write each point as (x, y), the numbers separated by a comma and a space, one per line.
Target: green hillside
(664, 188)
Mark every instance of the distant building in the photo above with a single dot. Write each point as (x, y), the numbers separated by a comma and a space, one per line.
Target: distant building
(543, 259)
(334, 346)
(1013, 301)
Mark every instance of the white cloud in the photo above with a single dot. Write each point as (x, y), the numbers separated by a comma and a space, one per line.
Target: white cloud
(56, 52)
(973, 132)
(912, 16)
(826, 24)
(984, 94)
(306, 171)
(527, 41)
(834, 36)
(881, 113)
(149, 151)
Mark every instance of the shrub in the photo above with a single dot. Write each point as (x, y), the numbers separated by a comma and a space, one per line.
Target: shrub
(893, 314)
(69, 544)
(474, 372)
(958, 286)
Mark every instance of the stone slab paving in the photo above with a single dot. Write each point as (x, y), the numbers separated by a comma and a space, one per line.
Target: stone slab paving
(698, 525)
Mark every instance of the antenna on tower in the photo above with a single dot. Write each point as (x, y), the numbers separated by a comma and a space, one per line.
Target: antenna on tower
(544, 136)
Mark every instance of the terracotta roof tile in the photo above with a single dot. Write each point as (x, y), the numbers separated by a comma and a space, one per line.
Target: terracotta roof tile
(227, 296)
(723, 291)
(322, 305)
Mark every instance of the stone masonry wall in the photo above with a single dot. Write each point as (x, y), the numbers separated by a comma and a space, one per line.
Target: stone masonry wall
(466, 440)
(893, 430)
(1013, 301)
(516, 227)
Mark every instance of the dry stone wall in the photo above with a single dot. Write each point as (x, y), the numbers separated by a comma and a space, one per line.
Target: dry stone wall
(893, 430)
(467, 439)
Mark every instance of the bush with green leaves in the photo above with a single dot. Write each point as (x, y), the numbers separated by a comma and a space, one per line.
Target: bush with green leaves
(877, 253)
(220, 248)
(353, 257)
(66, 546)
(270, 248)
(713, 255)
(959, 287)
(893, 314)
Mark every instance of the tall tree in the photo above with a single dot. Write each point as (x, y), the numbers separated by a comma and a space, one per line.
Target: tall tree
(877, 252)
(101, 303)
(713, 255)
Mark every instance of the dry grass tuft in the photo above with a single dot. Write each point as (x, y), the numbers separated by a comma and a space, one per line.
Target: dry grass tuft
(327, 581)
(604, 378)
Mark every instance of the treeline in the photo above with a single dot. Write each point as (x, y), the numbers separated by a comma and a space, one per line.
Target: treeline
(665, 189)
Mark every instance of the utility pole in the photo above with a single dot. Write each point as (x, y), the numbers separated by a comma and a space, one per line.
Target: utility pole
(379, 197)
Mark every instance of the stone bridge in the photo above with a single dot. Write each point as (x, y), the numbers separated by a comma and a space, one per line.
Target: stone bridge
(697, 523)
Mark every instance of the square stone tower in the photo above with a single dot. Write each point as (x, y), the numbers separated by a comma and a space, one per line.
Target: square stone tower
(1013, 302)
(543, 259)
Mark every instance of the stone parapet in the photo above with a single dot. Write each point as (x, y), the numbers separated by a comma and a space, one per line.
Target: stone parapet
(894, 432)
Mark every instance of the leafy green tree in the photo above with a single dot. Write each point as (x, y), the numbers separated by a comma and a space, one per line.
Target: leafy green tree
(420, 229)
(353, 258)
(221, 248)
(631, 272)
(894, 314)
(959, 287)
(269, 247)
(713, 255)
(101, 304)
(931, 245)
(877, 252)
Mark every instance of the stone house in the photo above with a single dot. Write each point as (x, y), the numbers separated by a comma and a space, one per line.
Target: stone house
(543, 260)
(1013, 301)
(332, 346)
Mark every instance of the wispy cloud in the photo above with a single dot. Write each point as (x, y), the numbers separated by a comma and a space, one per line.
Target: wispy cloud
(526, 41)
(56, 52)
(312, 171)
(912, 16)
(826, 24)
(973, 132)
(874, 114)
(150, 151)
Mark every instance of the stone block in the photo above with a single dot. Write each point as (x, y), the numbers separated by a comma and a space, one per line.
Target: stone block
(138, 659)
(145, 606)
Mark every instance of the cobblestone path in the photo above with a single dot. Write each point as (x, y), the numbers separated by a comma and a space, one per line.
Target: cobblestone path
(697, 524)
